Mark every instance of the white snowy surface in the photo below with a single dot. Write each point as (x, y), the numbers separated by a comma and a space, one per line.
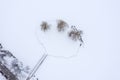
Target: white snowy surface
(99, 57)
(2, 77)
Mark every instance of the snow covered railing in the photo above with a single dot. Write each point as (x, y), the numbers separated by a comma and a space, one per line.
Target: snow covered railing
(37, 66)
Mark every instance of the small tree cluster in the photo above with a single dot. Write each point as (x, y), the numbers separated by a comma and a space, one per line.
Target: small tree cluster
(12, 63)
(44, 26)
(61, 25)
(75, 34)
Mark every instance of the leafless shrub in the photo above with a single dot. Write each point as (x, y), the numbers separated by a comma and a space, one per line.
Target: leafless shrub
(44, 26)
(61, 25)
(75, 34)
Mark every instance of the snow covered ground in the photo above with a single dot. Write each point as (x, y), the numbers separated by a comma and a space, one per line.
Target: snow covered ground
(57, 43)
(98, 58)
(2, 77)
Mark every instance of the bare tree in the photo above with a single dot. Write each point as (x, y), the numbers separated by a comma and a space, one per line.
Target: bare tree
(45, 26)
(61, 25)
(75, 34)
